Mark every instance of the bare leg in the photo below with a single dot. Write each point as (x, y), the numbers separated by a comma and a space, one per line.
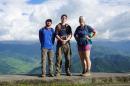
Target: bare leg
(88, 61)
(83, 61)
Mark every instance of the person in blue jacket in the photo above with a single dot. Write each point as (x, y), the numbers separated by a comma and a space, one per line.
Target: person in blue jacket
(47, 37)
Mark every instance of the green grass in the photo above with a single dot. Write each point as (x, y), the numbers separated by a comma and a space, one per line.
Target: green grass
(58, 83)
(40, 83)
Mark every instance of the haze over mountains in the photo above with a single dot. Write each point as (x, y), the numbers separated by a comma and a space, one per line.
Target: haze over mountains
(24, 57)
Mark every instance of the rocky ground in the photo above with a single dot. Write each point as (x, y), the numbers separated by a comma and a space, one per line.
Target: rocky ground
(95, 79)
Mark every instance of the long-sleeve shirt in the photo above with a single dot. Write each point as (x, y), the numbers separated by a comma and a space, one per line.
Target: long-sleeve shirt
(46, 37)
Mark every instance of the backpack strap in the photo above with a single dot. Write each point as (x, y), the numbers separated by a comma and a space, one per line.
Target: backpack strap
(86, 28)
(59, 26)
(52, 30)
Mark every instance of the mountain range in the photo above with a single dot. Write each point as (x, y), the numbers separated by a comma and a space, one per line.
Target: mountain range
(24, 57)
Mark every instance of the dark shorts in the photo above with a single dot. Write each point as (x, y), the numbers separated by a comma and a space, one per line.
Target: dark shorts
(84, 48)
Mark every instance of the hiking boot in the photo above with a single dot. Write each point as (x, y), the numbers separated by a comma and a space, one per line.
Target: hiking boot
(51, 75)
(83, 72)
(86, 74)
(68, 74)
(43, 77)
(57, 74)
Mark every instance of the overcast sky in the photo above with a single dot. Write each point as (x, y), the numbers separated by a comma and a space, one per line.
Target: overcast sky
(22, 19)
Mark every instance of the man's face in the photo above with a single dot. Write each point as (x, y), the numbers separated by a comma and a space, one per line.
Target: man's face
(63, 19)
(48, 24)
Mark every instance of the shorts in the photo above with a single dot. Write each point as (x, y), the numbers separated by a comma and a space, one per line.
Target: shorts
(84, 48)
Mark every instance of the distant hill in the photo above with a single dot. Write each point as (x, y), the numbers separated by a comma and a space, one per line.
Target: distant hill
(14, 64)
(24, 57)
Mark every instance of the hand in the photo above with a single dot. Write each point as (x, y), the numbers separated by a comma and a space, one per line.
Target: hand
(64, 41)
(88, 37)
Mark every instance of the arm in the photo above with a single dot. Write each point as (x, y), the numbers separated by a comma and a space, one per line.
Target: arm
(69, 33)
(57, 32)
(58, 37)
(40, 36)
(92, 33)
(53, 37)
(75, 34)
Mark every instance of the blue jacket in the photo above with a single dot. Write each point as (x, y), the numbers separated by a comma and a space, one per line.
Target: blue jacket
(47, 37)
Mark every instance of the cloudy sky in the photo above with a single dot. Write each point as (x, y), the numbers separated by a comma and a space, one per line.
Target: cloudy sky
(21, 19)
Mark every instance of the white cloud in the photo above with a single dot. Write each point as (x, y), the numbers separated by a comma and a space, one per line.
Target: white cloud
(21, 21)
(118, 27)
(105, 35)
(116, 2)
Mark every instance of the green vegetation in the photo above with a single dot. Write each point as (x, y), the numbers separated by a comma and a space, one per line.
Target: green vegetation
(24, 59)
(43, 84)
(14, 65)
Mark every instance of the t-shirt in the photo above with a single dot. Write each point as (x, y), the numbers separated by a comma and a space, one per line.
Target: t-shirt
(81, 33)
(62, 30)
(46, 37)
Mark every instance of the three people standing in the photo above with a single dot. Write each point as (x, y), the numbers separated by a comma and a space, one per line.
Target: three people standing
(63, 33)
